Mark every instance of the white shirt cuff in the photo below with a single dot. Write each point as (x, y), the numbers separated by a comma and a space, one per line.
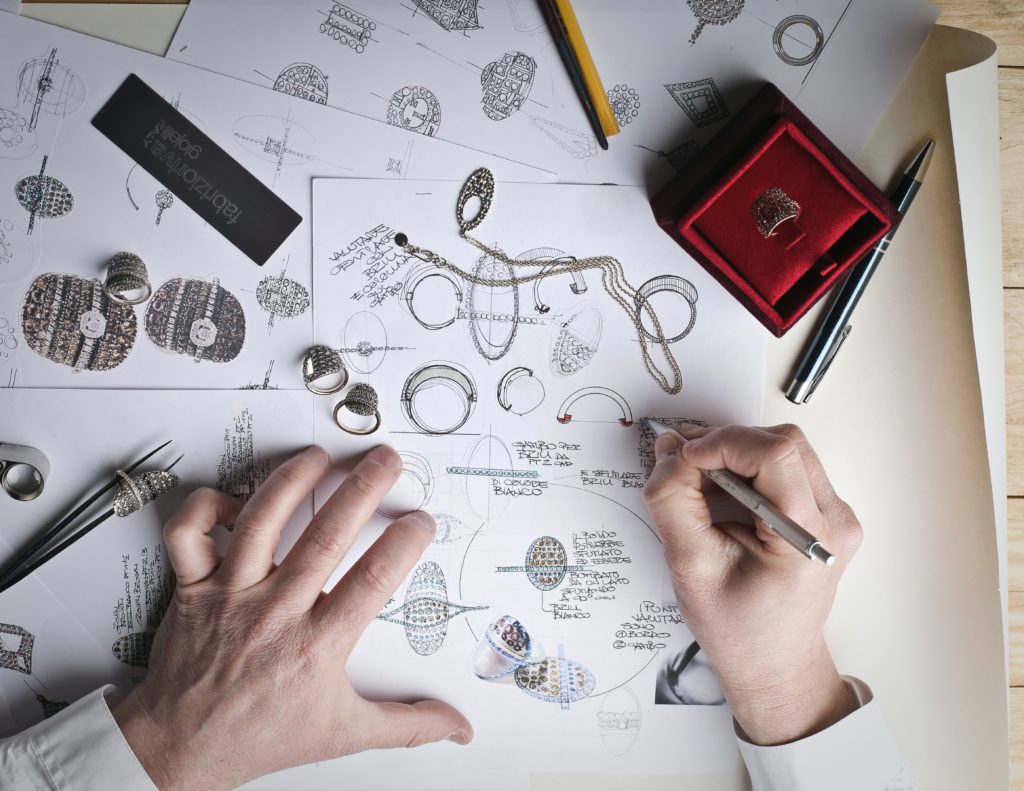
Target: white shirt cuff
(78, 748)
(858, 753)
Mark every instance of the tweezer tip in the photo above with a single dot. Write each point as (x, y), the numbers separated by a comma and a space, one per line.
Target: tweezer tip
(171, 465)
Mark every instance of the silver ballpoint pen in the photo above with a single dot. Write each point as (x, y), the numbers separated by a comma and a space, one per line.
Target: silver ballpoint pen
(746, 495)
(834, 328)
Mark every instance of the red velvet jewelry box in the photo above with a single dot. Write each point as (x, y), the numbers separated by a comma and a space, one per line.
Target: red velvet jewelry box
(708, 210)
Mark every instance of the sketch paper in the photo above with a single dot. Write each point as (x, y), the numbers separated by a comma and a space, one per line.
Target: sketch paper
(115, 582)
(488, 76)
(518, 418)
(13, 6)
(70, 200)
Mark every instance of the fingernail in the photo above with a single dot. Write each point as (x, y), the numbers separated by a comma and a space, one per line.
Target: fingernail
(315, 453)
(459, 737)
(667, 446)
(422, 519)
(386, 457)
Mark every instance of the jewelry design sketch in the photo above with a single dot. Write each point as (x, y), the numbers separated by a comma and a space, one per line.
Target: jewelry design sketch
(526, 16)
(278, 140)
(282, 297)
(241, 469)
(426, 611)
(556, 680)
(577, 144)
(417, 471)
(505, 84)
(365, 340)
(348, 27)
(618, 720)
(625, 104)
(43, 197)
(133, 649)
(667, 284)
(415, 108)
(303, 80)
(127, 281)
(713, 12)
(558, 259)
(17, 252)
(503, 648)
(49, 86)
(361, 399)
(454, 382)
(450, 529)
(135, 492)
(546, 565)
(520, 392)
(782, 32)
(451, 14)
(488, 457)
(701, 101)
(565, 415)
(16, 139)
(50, 707)
(493, 309)
(197, 318)
(576, 342)
(416, 277)
(69, 320)
(645, 447)
(16, 646)
(320, 363)
(680, 156)
(8, 339)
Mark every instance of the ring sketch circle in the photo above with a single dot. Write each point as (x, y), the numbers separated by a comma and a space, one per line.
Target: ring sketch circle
(415, 108)
(493, 310)
(618, 720)
(782, 31)
(671, 284)
(556, 257)
(49, 87)
(303, 80)
(414, 488)
(450, 391)
(520, 392)
(626, 414)
(490, 454)
(546, 561)
(506, 83)
(431, 277)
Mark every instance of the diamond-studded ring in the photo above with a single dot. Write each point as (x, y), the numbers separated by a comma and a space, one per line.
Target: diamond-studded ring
(133, 493)
(127, 281)
(772, 208)
(323, 362)
(362, 400)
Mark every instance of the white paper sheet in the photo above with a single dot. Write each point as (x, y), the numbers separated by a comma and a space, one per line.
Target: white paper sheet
(116, 204)
(488, 75)
(114, 581)
(551, 447)
(13, 6)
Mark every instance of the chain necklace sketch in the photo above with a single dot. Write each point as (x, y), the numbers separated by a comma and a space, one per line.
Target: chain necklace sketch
(452, 15)
(43, 197)
(678, 157)
(713, 12)
(481, 186)
(577, 144)
(50, 87)
(364, 342)
(426, 610)
(277, 140)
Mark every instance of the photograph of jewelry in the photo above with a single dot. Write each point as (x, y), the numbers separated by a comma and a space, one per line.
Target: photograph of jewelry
(362, 400)
(127, 281)
(322, 362)
(134, 492)
(772, 208)
(197, 318)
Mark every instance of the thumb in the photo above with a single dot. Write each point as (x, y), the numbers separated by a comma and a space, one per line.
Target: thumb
(412, 724)
(677, 505)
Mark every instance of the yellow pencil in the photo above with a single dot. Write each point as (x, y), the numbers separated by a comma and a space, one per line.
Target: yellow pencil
(591, 79)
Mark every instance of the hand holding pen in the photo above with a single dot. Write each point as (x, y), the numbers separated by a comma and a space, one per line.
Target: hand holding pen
(753, 602)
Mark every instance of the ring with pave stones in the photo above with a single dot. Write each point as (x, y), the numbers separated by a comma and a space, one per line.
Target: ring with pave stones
(322, 362)
(127, 281)
(772, 208)
(361, 399)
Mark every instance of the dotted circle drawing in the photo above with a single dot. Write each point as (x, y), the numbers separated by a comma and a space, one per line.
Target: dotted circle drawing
(782, 31)
(415, 108)
(625, 104)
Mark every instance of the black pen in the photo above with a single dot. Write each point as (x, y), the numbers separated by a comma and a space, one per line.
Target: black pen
(835, 327)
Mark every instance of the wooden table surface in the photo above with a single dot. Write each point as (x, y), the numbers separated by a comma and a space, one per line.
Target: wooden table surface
(1002, 21)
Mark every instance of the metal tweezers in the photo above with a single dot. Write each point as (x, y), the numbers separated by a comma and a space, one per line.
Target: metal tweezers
(30, 559)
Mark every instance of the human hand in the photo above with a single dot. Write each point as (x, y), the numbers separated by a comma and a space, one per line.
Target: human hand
(247, 672)
(755, 604)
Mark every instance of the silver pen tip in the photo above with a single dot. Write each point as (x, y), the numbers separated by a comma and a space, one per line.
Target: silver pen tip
(657, 426)
(818, 552)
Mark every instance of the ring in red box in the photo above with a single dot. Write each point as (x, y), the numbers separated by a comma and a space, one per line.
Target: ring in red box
(774, 211)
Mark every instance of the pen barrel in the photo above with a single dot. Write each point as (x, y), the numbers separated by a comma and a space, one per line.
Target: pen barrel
(789, 530)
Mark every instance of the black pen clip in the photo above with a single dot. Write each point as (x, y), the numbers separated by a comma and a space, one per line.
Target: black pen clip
(828, 361)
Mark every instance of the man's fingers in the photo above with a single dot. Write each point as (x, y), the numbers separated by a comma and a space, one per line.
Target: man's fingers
(190, 547)
(387, 725)
(674, 497)
(250, 555)
(330, 534)
(360, 595)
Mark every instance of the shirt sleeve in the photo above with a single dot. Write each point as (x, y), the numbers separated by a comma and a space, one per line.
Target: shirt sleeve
(858, 753)
(78, 749)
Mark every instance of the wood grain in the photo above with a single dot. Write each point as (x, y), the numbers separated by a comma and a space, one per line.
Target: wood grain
(1011, 133)
(1000, 20)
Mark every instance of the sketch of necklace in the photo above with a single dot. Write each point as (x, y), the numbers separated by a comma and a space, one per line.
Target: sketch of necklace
(713, 12)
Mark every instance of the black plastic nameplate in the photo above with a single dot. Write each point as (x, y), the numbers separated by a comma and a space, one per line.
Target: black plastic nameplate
(198, 171)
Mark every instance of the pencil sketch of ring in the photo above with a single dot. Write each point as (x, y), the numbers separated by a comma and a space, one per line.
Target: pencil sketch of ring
(362, 400)
(520, 392)
(428, 378)
(415, 279)
(322, 362)
(565, 415)
(772, 208)
(662, 284)
(781, 31)
(557, 258)
(415, 470)
(127, 281)
(23, 471)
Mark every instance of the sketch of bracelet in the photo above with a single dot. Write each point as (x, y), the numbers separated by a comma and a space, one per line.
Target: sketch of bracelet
(780, 32)
(433, 375)
(415, 279)
(666, 283)
(564, 415)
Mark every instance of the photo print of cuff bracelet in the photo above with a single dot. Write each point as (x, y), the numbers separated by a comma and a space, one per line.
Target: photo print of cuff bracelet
(69, 320)
(127, 281)
(361, 399)
(431, 382)
(196, 318)
(319, 367)
(23, 471)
